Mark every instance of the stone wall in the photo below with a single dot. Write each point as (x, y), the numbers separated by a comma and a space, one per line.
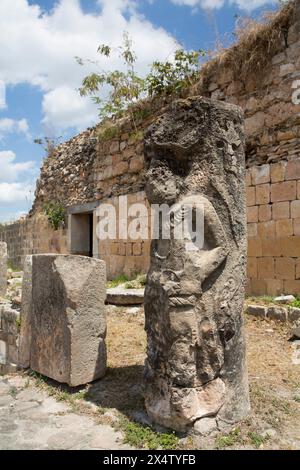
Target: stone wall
(3, 268)
(129, 256)
(102, 163)
(9, 338)
(32, 236)
(273, 199)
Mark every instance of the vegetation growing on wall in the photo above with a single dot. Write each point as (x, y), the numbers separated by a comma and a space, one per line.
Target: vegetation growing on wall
(127, 88)
(55, 213)
(49, 144)
(256, 42)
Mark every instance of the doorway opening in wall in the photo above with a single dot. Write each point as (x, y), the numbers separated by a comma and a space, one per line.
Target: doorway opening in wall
(81, 234)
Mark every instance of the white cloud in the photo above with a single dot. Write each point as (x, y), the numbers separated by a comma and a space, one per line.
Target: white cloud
(12, 190)
(42, 46)
(247, 5)
(11, 193)
(2, 95)
(8, 126)
(11, 170)
(64, 107)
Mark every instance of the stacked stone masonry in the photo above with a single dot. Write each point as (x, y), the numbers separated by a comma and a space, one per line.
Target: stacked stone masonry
(3, 268)
(98, 166)
(273, 213)
(9, 338)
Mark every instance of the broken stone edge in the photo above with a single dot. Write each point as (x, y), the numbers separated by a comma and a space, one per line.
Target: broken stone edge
(273, 312)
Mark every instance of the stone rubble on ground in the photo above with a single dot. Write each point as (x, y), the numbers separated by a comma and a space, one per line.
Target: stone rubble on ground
(284, 299)
(122, 296)
(273, 312)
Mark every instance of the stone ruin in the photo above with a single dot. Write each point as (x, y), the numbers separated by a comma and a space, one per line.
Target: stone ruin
(9, 322)
(195, 369)
(3, 268)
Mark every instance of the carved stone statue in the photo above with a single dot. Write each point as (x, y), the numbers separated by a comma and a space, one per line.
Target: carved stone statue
(195, 369)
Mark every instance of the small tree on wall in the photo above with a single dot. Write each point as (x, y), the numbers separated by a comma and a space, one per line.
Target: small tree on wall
(49, 144)
(55, 213)
(126, 88)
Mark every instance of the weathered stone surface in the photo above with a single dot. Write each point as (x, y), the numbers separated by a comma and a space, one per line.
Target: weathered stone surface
(3, 268)
(277, 313)
(284, 299)
(118, 296)
(25, 336)
(257, 311)
(68, 321)
(205, 426)
(295, 333)
(194, 299)
(294, 314)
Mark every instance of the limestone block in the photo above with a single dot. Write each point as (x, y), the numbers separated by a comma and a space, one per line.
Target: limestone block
(278, 172)
(263, 193)
(293, 170)
(285, 191)
(266, 229)
(121, 296)
(284, 228)
(265, 268)
(250, 196)
(285, 268)
(277, 313)
(274, 286)
(294, 314)
(25, 335)
(252, 214)
(257, 311)
(67, 316)
(281, 210)
(295, 209)
(260, 174)
(269, 248)
(296, 226)
(252, 230)
(264, 213)
(292, 287)
(252, 268)
(290, 246)
(254, 247)
(3, 268)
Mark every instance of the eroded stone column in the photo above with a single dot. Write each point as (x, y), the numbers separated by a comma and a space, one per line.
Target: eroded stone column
(3, 268)
(195, 368)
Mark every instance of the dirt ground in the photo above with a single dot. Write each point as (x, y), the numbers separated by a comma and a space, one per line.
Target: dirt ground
(117, 399)
(274, 380)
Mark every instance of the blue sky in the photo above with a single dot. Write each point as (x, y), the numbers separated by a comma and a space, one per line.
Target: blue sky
(39, 76)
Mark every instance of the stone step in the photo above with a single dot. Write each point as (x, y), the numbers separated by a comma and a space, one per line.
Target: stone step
(121, 296)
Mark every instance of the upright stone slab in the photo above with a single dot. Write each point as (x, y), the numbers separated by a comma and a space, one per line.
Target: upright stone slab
(68, 321)
(3, 268)
(195, 369)
(26, 309)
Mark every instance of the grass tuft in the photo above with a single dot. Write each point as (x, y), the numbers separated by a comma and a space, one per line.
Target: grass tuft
(145, 437)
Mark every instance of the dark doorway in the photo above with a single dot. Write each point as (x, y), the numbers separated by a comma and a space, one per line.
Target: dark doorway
(91, 241)
(81, 234)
